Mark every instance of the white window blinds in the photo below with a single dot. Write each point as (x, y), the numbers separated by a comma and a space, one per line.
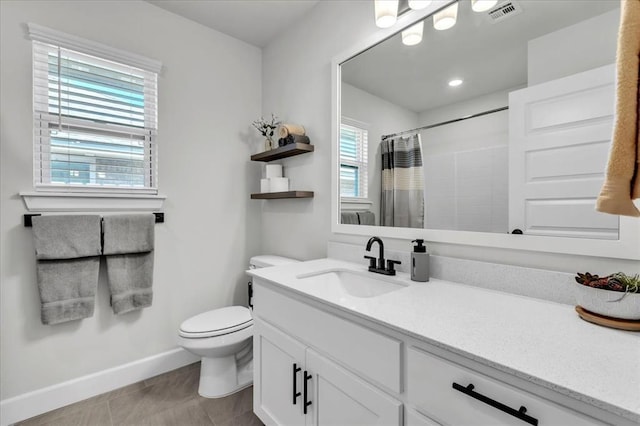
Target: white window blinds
(95, 123)
(353, 160)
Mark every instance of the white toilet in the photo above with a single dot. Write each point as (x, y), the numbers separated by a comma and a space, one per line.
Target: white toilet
(223, 338)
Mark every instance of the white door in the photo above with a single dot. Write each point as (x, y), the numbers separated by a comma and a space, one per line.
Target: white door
(278, 373)
(559, 137)
(339, 398)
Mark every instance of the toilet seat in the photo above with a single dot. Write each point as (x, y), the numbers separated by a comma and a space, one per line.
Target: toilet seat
(217, 322)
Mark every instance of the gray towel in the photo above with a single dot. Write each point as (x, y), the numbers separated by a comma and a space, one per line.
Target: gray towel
(66, 237)
(128, 233)
(130, 279)
(128, 247)
(67, 265)
(67, 288)
(349, 218)
(297, 139)
(367, 218)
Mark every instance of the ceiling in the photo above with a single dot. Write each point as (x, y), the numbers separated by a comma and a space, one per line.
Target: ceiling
(488, 56)
(256, 22)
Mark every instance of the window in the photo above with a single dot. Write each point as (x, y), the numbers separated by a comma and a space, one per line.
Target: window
(353, 159)
(95, 119)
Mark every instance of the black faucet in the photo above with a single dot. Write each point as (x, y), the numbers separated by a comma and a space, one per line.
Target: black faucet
(380, 267)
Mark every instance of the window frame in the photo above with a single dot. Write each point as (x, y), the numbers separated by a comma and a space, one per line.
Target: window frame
(147, 133)
(360, 163)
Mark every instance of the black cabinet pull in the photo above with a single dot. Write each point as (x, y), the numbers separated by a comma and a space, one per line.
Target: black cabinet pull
(520, 414)
(296, 394)
(250, 287)
(307, 403)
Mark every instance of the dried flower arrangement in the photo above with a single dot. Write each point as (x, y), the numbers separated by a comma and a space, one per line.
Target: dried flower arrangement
(267, 129)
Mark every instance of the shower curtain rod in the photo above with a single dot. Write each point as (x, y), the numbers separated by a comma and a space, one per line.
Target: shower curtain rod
(455, 120)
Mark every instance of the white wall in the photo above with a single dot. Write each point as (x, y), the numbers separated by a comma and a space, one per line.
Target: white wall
(480, 132)
(296, 80)
(297, 85)
(383, 118)
(209, 92)
(467, 190)
(465, 165)
(586, 45)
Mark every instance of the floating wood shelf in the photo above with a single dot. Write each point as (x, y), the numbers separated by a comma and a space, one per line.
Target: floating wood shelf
(283, 152)
(286, 194)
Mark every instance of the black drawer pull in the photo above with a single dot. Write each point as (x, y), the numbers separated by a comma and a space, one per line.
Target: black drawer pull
(307, 403)
(520, 414)
(296, 394)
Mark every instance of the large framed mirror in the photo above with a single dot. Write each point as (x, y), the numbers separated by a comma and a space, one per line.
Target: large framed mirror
(493, 132)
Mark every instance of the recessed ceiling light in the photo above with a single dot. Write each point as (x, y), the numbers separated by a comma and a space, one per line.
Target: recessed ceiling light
(455, 82)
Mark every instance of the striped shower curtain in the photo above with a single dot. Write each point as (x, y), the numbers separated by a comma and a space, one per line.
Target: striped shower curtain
(402, 199)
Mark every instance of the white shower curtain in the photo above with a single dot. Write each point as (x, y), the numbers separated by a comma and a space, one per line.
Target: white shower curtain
(402, 199)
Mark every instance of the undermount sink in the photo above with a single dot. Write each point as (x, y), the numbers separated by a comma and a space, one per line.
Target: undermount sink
(353, 283)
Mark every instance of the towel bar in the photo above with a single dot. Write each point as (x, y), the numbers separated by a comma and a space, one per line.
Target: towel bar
(27, 218)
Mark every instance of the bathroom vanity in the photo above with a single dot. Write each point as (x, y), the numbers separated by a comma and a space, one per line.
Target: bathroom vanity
(335, 344)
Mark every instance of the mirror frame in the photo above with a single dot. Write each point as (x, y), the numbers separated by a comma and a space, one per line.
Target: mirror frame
(627, 246)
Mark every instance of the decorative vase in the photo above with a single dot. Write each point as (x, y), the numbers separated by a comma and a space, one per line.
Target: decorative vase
(268, 144)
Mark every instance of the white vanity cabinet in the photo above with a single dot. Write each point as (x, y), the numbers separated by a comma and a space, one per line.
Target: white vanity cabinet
(294, 385)
(363, 372)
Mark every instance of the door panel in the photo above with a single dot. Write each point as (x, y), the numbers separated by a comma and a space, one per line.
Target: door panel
(274, 356)
(340, 398)
(559, 138)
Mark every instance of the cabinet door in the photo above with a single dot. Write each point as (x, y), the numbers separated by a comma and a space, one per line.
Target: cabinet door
(413, 418)
(275, 355)
(339, 398)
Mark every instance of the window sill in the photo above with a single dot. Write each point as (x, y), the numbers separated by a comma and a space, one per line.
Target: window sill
(355, 204)
(79, 202)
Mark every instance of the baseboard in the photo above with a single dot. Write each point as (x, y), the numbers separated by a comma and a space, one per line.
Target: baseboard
(40, 401)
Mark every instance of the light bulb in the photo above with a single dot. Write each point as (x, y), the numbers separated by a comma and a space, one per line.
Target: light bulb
(386, 12)
(446, 18)
(455, 82)
(413, 35)
(482, 5)
(419, 4)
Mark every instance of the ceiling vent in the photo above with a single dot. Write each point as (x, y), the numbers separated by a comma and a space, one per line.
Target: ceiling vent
(504, 10)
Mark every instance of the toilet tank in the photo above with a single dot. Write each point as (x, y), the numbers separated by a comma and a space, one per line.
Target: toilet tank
(265, 261)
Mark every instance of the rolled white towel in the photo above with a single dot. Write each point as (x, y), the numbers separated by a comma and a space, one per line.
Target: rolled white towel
(290, 129)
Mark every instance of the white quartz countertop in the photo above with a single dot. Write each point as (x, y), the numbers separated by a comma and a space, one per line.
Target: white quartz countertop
(542, 342)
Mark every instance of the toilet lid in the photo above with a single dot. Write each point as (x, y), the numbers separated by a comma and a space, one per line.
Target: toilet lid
(217, 322)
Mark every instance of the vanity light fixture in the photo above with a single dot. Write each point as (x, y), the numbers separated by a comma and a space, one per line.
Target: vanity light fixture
(482, 5)
(446, 18)
(386, 12)
(413, 35)
(455, 82)
(419, 4)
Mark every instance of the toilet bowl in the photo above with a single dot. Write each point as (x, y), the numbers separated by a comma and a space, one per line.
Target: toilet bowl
(223, 338)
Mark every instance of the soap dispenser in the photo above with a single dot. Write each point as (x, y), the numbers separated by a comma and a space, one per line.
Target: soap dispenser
(419, 262)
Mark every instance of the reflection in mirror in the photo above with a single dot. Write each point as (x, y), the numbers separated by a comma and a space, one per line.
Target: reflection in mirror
(498, 124)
